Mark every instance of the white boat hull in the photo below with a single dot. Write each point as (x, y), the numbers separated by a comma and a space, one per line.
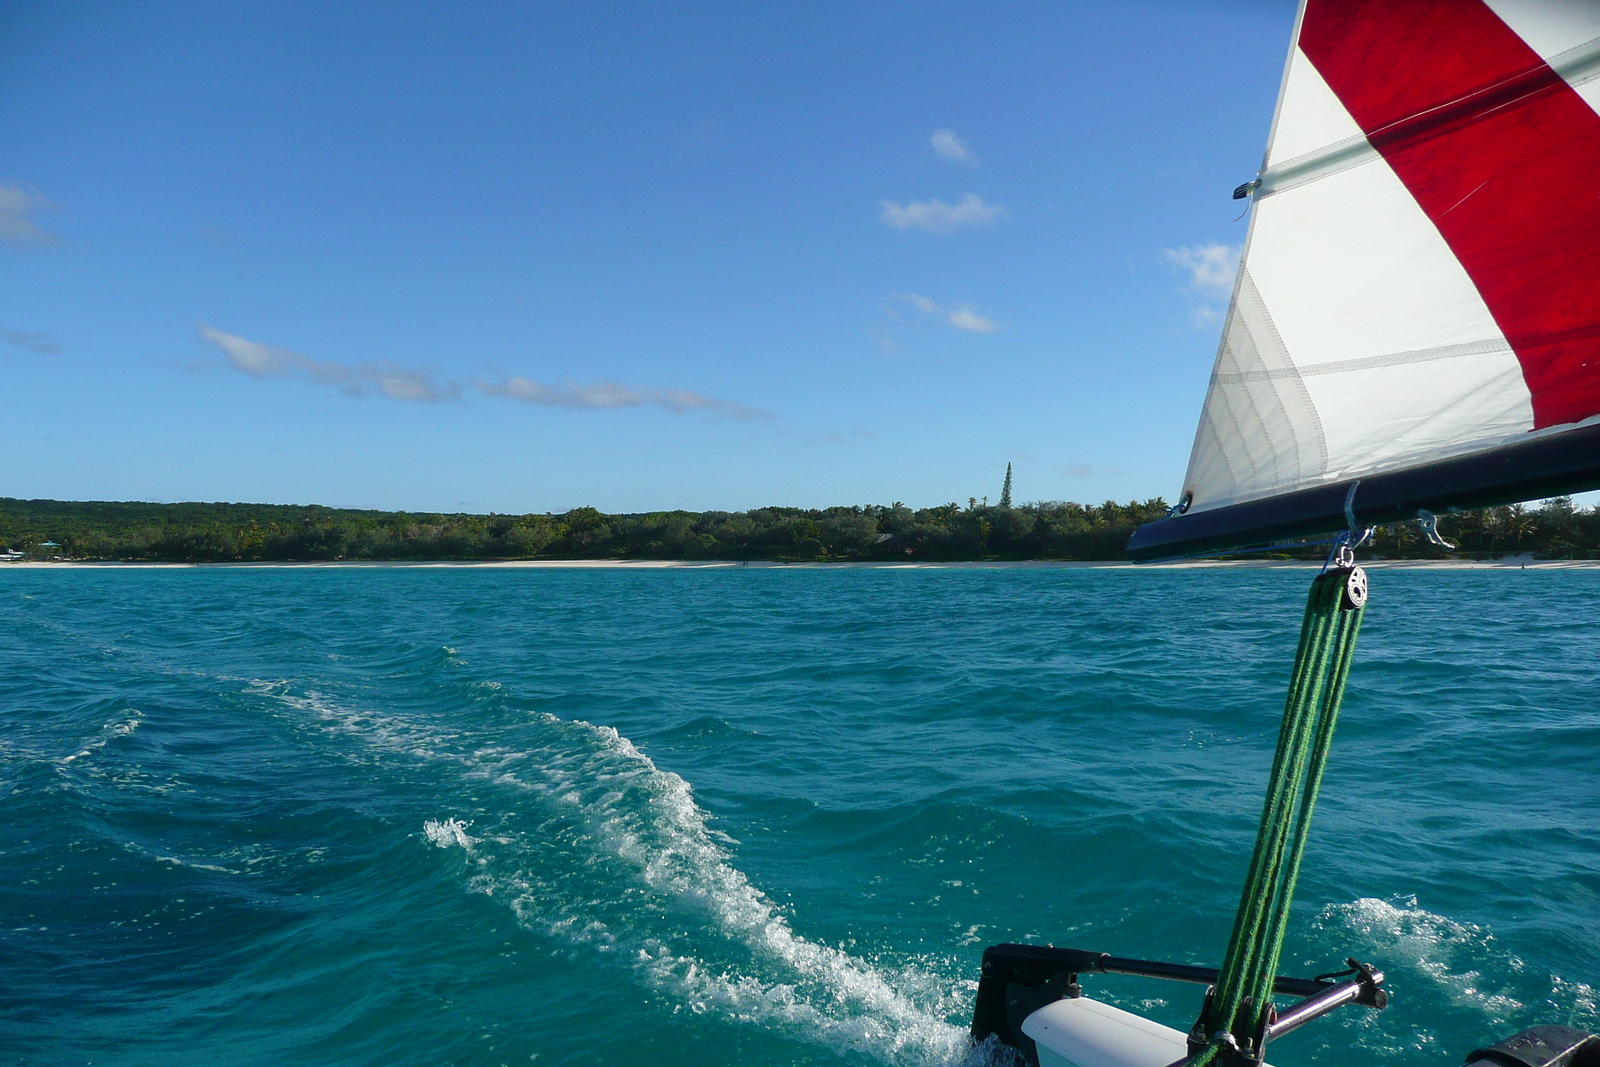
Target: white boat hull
(1080, 1032)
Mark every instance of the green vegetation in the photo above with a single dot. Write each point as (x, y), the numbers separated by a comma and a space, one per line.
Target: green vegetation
(1052, 530)
(1554, 529)
(242, 532)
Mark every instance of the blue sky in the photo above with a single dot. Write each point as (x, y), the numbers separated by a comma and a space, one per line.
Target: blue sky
(527, 257)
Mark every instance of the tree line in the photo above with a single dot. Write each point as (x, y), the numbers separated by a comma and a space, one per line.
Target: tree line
(197, 532)
(200, 532)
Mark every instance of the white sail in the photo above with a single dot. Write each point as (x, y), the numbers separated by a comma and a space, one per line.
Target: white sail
(1421, 277)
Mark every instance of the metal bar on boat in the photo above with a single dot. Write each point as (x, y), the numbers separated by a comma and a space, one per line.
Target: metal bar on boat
(1363, 990)
(1033, 964)
(1180, 972)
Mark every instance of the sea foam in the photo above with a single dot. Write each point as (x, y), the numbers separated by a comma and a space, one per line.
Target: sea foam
(647, 818)
(447, 832)
(612, 812)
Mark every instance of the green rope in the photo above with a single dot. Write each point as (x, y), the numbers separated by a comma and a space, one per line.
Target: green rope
(1237, 1013)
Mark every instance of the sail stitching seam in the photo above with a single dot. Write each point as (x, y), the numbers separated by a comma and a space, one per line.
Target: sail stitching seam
(1393, 359)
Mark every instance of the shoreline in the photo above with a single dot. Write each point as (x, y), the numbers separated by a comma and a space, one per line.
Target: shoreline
(1510, 562)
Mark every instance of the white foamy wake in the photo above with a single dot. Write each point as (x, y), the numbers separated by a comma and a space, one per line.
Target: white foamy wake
(646, 818)
(621, 861)
(1453, 956)
(108, 733)
(447, 832)
(1446, 952)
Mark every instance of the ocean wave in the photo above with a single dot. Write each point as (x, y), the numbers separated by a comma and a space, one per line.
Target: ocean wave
(447, 832)
(1432, 957)
(108, 733)
(1449, 954)
(621, 861)
(634, 812)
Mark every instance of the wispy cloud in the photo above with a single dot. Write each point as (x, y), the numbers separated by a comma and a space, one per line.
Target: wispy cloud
(833, 437)
(950, 146)
(607, 395)
(42, 343)
(259, 360)
(1078, 470)
(964, 318)
(357, 379)
(1211, 267)
(405, 383)
(412, 383)
(17, 210)
(936, 216)
(961, 317)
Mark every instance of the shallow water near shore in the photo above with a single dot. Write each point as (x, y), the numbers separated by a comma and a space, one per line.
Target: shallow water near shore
(760, 816)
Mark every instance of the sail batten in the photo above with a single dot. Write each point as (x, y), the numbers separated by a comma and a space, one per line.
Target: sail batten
(1421, 279)
(1576, 67)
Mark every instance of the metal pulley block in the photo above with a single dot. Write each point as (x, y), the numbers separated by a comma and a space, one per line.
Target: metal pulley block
(1355, 589)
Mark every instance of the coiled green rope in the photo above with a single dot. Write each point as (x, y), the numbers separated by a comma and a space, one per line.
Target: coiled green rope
(1234, 1022)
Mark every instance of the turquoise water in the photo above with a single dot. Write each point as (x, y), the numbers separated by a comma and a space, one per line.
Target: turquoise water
(759, 816)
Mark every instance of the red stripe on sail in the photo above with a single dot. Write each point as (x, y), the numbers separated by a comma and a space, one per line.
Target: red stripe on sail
(1501, 154)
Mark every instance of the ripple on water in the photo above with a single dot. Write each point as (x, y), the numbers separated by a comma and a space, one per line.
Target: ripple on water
(396, 815)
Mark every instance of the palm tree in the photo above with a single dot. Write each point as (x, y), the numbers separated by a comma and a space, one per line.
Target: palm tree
(1402, 537)
(1518, 522)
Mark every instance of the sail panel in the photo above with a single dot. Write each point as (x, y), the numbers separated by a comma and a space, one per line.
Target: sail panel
(1310, 118)
(1259, 427)
(1396, 357)
(1420, 278)
(1564, 33)
(1503, 156)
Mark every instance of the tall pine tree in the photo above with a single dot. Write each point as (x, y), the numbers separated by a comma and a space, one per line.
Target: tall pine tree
(1005, 490)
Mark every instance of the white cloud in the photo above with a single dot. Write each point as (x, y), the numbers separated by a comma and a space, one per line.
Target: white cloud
(405, 383)
(410, 383)
(1078, 470)
(950, 146)
(17, 207)
(269, 361)
(256, 360)
(42, 343)
(1211, 266)
(936, 216)
(1211, 269)
(962, 317)
(613, 395)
